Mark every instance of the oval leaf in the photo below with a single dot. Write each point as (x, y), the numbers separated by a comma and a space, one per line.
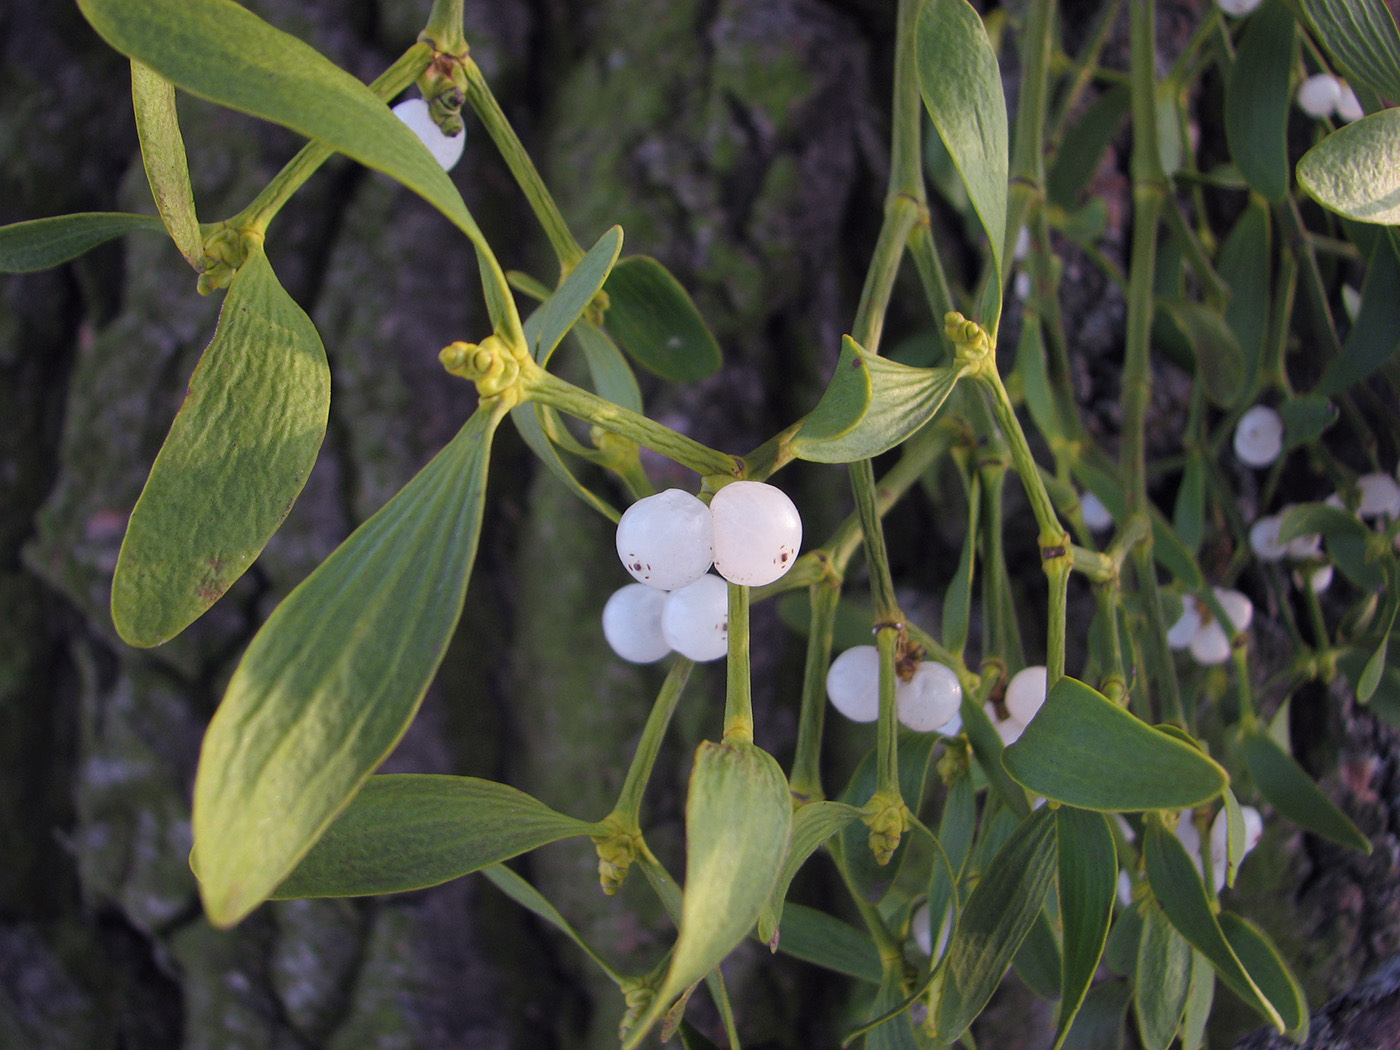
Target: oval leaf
(1355, 171)
(1292, 792)
(1361, 35)
(235, 460)
(998, 916)
(329, 684)
(1162, 981)
(1086, 751)
(40, 243)
(1178, 888)
(961, 86)
(1257, 100)
(901, 400)
(823, 940)
(1375, 336)
(1268, 970)
(654, 319)
(405, 832)
(163, 154)
(738, 817)
(1088, 880)
(812, 825)
(1220, 362)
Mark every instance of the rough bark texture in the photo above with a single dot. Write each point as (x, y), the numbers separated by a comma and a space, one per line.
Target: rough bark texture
(741, 142)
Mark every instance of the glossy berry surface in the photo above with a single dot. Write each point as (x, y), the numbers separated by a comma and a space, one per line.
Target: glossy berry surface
(1319, 94)
(853, 683)
(929, 699)
(632, 623)
(446, 149)
(695, 619)
(1259, 436)
(666, 540)
(1026, 692)
(757, 532)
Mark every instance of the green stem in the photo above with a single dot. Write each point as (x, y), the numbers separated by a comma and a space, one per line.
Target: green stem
(873, 537)
(444, 28)
(549, 389)
(629, 801)
(1324, 327)
(1027, 149)
(806, 779)
(738, 693)
(493, 118)
(887, 637)
(903, 214)
(265, 206)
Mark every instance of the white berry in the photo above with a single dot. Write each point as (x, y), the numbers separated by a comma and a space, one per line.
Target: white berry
(695, 619)
(1096, 515)
(853, 683)
(1210, 645)
(1319, 94)
(632, 623)
(1264, 538)
(1025, 693)
(666, 540)
(757, 532)
(1237, 607)
(1219, 841)
(1348, 105)
(1379, 496)
(1238, 8)
(446, 149)
(1009, 729)
(1259, 436)
(1187, 624)
(929, 699)
(952, 727)
(1317, 581)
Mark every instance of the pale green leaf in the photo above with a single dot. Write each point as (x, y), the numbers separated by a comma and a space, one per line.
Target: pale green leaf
(1163, 979)
(333, 678)
(1088, 879)
(822, 940)
(654, 319)
(1292, 792)
(1086, 751)
(556, 315)
(163, 153)
(812, 825)
(1375, 337)
(1355, 171)
(40, 243)
(405, 832)
(1259, 956)
(960, 81)
(533, 901)
(238, 453)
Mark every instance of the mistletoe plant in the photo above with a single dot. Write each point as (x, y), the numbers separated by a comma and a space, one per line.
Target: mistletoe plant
(286, 801)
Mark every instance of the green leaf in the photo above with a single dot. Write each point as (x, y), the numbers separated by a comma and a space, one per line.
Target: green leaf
(527, 423)
(1088, 880)
(224, 53)
(1374, 338)
(405, 832)
(899, 400)
(1076, 163)
(1163, 979)
(1188, 516)
(163, 153)
(812, 825)
(1219, 359)
(1037, 961)
(1347, 538)
(1234, 838)
(998, 915)
(1259, 956)
(892, 1028)
(738, 817)
(533, 901)
(548, 325)
(1361, 36)
(988, 749)
(1199, 997)
(334, 677)
(866, 877)
(1257, 98)
(1086, 751)
(818, 938)
(1355, 171)
(612, 375)
(1305, 418)
(1178, 888)
(656, 321)
(238, 453)
(1099, 1024)
(961, 86)
(41, 243)
(1292, 792)
(1243, 264)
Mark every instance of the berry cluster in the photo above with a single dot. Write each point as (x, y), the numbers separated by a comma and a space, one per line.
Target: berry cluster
(1198, 630)
(750, 533)
(1322, 95)
(1190, 838)
(928, 702)
(1024, 695)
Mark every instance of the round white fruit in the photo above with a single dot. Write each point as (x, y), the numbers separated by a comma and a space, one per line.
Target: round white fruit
(1264, 538)
(1096, 515)
(1238, 8)
(666, 540)
(1237, 607)
(757, 532)
(1025, 693)
(1210, 645)
(1379, 496)
(632, 623)
(1319, 94)
(695, 619)
(929, 699)
(446, 149)
(1179, 635)
(1348, 105)
(853, 683)
(1259, 436)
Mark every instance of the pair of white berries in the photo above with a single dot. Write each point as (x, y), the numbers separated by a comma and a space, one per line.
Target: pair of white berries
(750, 532)
(928, 702)
(1198, 631)
(1322, 95)
(1219, 839)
